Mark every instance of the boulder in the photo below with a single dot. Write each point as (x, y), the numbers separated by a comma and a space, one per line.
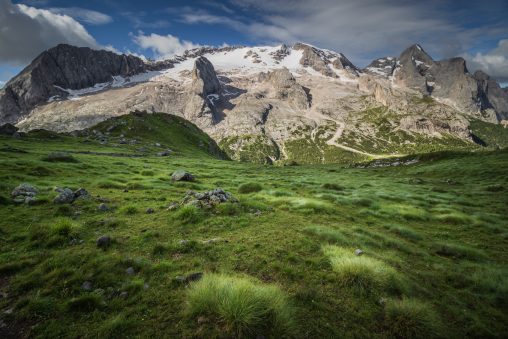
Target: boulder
(103, 241)
(8, 129)
(24, 193)
(181, 175)
(65, 196)
(207, 199)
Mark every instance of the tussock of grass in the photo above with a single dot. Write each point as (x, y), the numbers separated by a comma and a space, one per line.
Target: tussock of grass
(454, 217)
(362, 272)
(493, 283)
(84, 303)
(404, 211)
(458, 251)
(109, 184)
(59, 157)
(249, 187)
(307, 205)
(333, 187)
(189, 214)
(63, 227)
(409, 318)
(129, 210)
(243, 306)
(327, 234)
(405, 233)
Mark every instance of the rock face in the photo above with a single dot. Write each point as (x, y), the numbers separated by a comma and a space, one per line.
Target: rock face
(204, 95)
(62, 67)
(491, 95)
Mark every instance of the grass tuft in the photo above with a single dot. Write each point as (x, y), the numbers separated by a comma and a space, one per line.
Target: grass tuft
(59, 157)
(189, 214)
(243, 306)
(409, 318)
(458, 251)
(249, 187)
(362, 272)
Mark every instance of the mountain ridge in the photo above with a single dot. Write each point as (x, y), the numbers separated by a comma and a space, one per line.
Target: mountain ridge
(277, 103)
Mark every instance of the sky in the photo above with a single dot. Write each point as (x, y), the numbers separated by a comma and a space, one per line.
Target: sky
(363, 30)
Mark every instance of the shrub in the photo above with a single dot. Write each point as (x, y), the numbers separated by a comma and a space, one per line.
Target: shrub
(59, 157)
(189, 214)
(411, 319)
(334, 187)
(249, 187)
(243, 306)
(361, 272)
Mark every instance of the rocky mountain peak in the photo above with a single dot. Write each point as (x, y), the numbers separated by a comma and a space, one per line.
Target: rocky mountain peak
(204, 78)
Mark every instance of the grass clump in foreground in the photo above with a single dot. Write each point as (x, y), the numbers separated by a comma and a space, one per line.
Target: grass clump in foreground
(249, 187)
(365, 274)
(244, 307)
(409, 318)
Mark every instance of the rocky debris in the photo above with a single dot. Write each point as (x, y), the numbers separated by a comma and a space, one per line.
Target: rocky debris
(24, 193)
(67, 196)
(130, 271)
(207, 199)
(358, 252)
(182, 175)
(173, 206)
(8, 129)
(124, 295)
(287, 89)
(150, 210)
(189, 278)
(281, 53)
(157, 144)
(103, 241)
(86, 286)
(103, 207)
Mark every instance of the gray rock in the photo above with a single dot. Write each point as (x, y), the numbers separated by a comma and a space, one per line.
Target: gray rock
(66, 196)
(103, 241)
(86, 286)
(24, 190)
(130, 271)
(157, 144)
(164, 153)
(103, 207)
(124, 295)
(8, 129)
(173, 206)
(150, 210)
(194, 276)
(358, 252)
(207, 199)
(81, 193)
(181, 175)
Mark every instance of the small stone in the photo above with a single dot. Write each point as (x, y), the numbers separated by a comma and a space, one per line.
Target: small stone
(103, 241)
(9, 311)
(99, 291)
(86, 286)
(130, 271)
(157, 144)
(173, 206)
(103, 207)
(358, 252)
(382, 301)
(194, 276)
(80, 193)
(124, 295)
(184, 241)
(150, 210)
(201, 320)
(31, 201)
(4, 295)
(146, 286)
(180, 279)
(125, 190)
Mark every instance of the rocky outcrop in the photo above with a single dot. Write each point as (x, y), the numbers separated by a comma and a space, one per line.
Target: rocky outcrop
(381, 67)
(205, 94)
(61, 67)
(286, 88)
(491, 95)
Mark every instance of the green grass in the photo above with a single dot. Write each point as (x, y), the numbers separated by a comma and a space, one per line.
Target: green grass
(439, 241)
(249, 187)
(367, 275)
(242, 307)
(409, 318)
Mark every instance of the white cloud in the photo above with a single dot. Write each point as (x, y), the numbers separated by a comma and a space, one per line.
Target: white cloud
(27, 31)
(84, 15)
(494, 62)
(163, 46)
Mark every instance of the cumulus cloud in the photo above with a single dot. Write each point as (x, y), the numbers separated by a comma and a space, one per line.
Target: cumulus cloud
(494, 62)
(27, 31)
(84, 15)
(163, 46)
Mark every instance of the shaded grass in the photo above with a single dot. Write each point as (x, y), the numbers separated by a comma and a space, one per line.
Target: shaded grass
(408, 318)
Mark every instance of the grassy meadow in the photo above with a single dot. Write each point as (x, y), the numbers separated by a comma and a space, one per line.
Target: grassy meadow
(280, 262)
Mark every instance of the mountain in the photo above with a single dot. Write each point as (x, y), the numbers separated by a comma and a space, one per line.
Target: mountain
(267, 103)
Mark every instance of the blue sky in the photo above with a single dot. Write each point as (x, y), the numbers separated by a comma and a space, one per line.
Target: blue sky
(361, 29)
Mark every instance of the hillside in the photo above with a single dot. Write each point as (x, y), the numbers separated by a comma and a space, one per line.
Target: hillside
(432, 233)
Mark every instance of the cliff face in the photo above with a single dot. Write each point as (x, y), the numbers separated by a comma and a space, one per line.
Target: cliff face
(62, 67)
